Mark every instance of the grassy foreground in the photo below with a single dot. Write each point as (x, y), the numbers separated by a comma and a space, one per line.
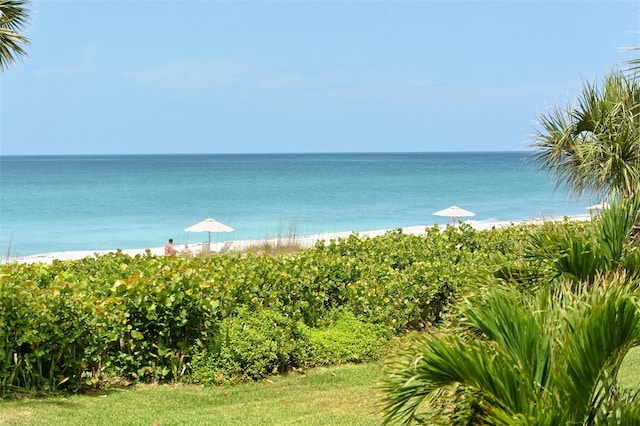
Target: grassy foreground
(344, 395)
(629, 376)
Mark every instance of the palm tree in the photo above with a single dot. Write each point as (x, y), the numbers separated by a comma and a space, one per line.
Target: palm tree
(607, 245)
(546, 359)
(594, 147)
(13, 18)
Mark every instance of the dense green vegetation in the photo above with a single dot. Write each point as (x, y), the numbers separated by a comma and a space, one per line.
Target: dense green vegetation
(67, 325)
(550, 354)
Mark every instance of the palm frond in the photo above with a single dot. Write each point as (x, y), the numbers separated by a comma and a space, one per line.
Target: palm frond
(603, 246)
(633, 65)
(441, 362)
(568, 256)
(546, 359)
(599, 330)
(615, 226)
(14, 16)
(516, 322)
(594, 146)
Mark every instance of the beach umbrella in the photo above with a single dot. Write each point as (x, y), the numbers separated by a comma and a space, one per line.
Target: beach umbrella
(598, 206)
(209, 225)
(454, 212)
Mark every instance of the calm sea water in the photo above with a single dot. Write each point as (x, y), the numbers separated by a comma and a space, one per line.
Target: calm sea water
(60, 203)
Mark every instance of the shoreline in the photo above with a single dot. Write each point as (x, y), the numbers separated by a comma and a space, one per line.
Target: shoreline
(303, 240)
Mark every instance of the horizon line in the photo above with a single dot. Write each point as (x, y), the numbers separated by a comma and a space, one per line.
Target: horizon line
(262, 153)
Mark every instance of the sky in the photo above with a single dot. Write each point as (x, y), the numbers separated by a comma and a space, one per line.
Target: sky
(164, 77)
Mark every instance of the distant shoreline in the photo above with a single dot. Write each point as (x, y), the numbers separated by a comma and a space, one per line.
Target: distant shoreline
(237, 154)
(303, 240)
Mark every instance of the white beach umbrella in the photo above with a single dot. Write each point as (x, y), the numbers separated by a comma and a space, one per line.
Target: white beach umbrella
(209, 225)
(454, 212)
(599, 206)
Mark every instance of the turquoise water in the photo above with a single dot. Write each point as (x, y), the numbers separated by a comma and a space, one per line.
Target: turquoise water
(60, 203)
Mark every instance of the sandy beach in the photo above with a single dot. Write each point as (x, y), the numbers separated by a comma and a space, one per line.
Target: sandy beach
(303, 241)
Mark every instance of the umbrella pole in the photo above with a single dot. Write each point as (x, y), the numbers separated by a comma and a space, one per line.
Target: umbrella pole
(209, 241)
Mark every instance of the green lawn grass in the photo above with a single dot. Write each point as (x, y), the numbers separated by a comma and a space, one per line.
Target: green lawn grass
(629, 376)
(344, 395)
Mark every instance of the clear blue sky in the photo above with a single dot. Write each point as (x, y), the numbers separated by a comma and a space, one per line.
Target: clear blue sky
(127, 77)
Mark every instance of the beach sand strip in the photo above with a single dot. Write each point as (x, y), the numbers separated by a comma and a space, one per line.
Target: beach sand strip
(301, 241)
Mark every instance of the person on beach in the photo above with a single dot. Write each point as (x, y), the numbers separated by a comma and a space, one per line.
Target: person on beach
(168, 248)
(186, 249)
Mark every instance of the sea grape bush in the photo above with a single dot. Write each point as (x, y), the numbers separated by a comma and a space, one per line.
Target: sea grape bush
(146, 317)
(164, 315)
(51, 337)
(252, 345)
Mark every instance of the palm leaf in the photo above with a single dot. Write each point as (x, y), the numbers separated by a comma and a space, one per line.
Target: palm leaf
(440, 362)
(615, 226)
(600, 328)
(546, 359)
(14, 16)
(517, 324)
(593, 147)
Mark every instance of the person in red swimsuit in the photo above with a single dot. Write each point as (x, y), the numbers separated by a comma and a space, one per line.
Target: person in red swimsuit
(168, 248)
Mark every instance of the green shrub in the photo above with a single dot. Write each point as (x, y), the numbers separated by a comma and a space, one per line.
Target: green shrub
(51, 338)
(252, 345)
(166, 314)
(238, 317)
(347, 339)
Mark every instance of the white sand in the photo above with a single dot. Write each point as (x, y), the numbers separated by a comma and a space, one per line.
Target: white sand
(304, 241)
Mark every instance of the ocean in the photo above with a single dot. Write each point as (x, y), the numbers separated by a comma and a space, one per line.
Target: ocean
(67, 203)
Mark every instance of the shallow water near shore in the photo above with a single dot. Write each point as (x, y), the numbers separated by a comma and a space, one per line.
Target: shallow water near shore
(66, 203)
